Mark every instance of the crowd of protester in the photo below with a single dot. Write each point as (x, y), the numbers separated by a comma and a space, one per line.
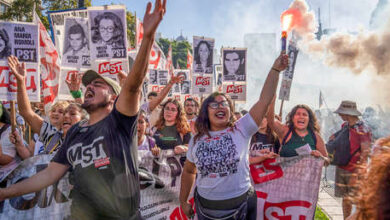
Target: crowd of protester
(199, 131)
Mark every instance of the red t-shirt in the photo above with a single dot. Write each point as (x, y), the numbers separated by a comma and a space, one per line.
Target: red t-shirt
(358, 134)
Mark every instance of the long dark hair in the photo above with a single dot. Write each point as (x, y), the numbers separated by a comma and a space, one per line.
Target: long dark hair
(197, 55)
(312, 125)
(202, 123)
(181, 123)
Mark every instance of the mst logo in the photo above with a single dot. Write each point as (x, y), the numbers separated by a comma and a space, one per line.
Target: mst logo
(85, 155)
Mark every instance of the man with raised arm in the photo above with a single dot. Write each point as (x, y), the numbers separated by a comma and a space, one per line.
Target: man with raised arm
(102, 152)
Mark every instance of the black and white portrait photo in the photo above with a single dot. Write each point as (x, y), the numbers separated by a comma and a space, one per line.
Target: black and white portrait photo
(153, 78)
(76, 46)
(108, 33)
(185, 87)
(5, 46)
(203, 55)
(234, 64)
(176, 88)
(162, 77)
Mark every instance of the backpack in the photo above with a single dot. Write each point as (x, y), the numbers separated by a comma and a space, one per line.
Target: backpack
(340, 148)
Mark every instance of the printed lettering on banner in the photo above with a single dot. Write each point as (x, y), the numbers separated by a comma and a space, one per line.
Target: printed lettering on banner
(111, 68)
(8, 85)
(57, 21)
(51, 203)
(287, 187)
(202, 84)
(237, 92)
(66, 74)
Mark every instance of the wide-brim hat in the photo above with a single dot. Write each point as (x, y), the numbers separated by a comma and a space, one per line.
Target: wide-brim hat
(348, 108)
(91, 75)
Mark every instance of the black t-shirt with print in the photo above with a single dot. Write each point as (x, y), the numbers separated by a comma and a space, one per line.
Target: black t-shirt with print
(168, 138)
(103, 160)
(260, 141)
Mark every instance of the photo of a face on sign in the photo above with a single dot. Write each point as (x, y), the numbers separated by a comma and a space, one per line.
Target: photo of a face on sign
(234, 64)
(76, 46)
(108, 33)
(203, 55)
(5, 45)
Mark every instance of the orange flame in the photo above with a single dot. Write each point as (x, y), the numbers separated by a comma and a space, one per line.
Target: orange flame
(290, 19)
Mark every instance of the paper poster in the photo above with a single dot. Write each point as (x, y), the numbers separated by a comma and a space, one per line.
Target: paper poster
(111, 68)
(63, 90)
(57, 23)
(288, 74)
(285, 87)
(163, 77)
(237, 92)
(153, 77)
(76, 47)
(234, 64)
(108, 32)
(203, 55)
(218, 71)
(202, 84)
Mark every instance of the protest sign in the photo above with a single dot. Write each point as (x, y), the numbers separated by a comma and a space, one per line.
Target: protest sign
(111, 68)
(234, 64)
(57, 24)
(76, 47)
(287, 187)
(218, 70)
(63, 90)
(108, 36)
(288, 74)
(203, 55)
(202, 84)
(157, 59)
(163, 77)
(237, 92)
(51, 203)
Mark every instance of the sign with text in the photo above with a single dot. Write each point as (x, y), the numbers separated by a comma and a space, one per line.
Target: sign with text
(237, 92)
(202, 84)
(66, 74)
(111, 68)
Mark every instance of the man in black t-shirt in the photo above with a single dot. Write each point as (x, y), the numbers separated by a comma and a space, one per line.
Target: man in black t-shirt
(101, 152)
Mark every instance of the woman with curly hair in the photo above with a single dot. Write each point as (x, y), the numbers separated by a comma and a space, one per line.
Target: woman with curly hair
(301, 133)
(173, 130)
(218, 155)
(108, 30)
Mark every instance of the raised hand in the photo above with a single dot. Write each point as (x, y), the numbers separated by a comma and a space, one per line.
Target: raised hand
(152, 20)
(74, 83)
(281, 62)
(176, 79)
(18, 69)
(122, 77)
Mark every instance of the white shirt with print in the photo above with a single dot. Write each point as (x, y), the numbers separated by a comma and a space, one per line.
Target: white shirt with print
(222, 161)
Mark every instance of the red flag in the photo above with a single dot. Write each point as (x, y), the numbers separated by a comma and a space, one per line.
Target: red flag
(50, 65)
(189, 59)
(140, 32)
(169, 65)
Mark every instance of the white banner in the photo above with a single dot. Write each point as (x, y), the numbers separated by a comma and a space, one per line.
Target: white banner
(111, 68)
(288, 74)
(237, 92)
(287, 188)
(57, 21)
(202, 84)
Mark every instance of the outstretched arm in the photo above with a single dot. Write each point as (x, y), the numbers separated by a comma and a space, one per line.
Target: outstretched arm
(161, 96)
(43, 179)
(269, 89)
(25, 110)
(187, 180)
(128, 101)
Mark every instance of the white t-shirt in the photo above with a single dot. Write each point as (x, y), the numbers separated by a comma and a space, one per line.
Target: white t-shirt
(222, 161)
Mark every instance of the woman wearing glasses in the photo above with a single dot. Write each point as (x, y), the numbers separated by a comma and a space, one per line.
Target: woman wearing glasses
(218, 155)
(108, 31)
(173, 131)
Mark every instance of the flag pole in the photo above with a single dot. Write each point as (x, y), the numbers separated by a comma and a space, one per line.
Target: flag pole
(13, 116)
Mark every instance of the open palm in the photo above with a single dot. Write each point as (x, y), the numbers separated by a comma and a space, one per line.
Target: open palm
(17, 68)
(152, 20)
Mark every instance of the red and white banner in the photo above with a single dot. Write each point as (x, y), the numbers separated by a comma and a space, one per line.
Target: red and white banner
(111, 68)
(66, 74)
(157, 58)
(139, 32)
(50, 65)
(189, 60)
(202, 84)
(237, 92)
(287, 188)
(169, 64)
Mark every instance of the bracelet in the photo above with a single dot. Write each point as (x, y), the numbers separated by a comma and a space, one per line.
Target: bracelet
(76, 94)
(273, 68)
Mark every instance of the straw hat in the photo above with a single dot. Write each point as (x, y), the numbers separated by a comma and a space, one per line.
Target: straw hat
(348, 108)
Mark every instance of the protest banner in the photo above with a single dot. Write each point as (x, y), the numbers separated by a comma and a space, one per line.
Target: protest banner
(57, 24)
(163, 77)
(234, 64)
(237, 92)
(20, 40)
(157, 59)
(51, 203)
(287, 188)
(108, 36)
(63, 90)
(76, 52)
(288, 74)
(201, 84)
(111, 68)
(203, 55)
(218, 70)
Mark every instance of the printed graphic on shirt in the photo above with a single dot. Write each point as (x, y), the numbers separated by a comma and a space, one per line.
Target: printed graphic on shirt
(87, 155)
(217, 156)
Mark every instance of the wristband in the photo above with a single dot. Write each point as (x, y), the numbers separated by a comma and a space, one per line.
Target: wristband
(76, 94)
(275, 69)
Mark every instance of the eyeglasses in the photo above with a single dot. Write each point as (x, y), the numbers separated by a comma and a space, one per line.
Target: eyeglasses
(109, 29)
(170, 109)
(215, 105)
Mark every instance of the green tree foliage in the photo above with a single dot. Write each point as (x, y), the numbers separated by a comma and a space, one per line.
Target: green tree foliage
(21, 10)
(131, 28)
(179, 51)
